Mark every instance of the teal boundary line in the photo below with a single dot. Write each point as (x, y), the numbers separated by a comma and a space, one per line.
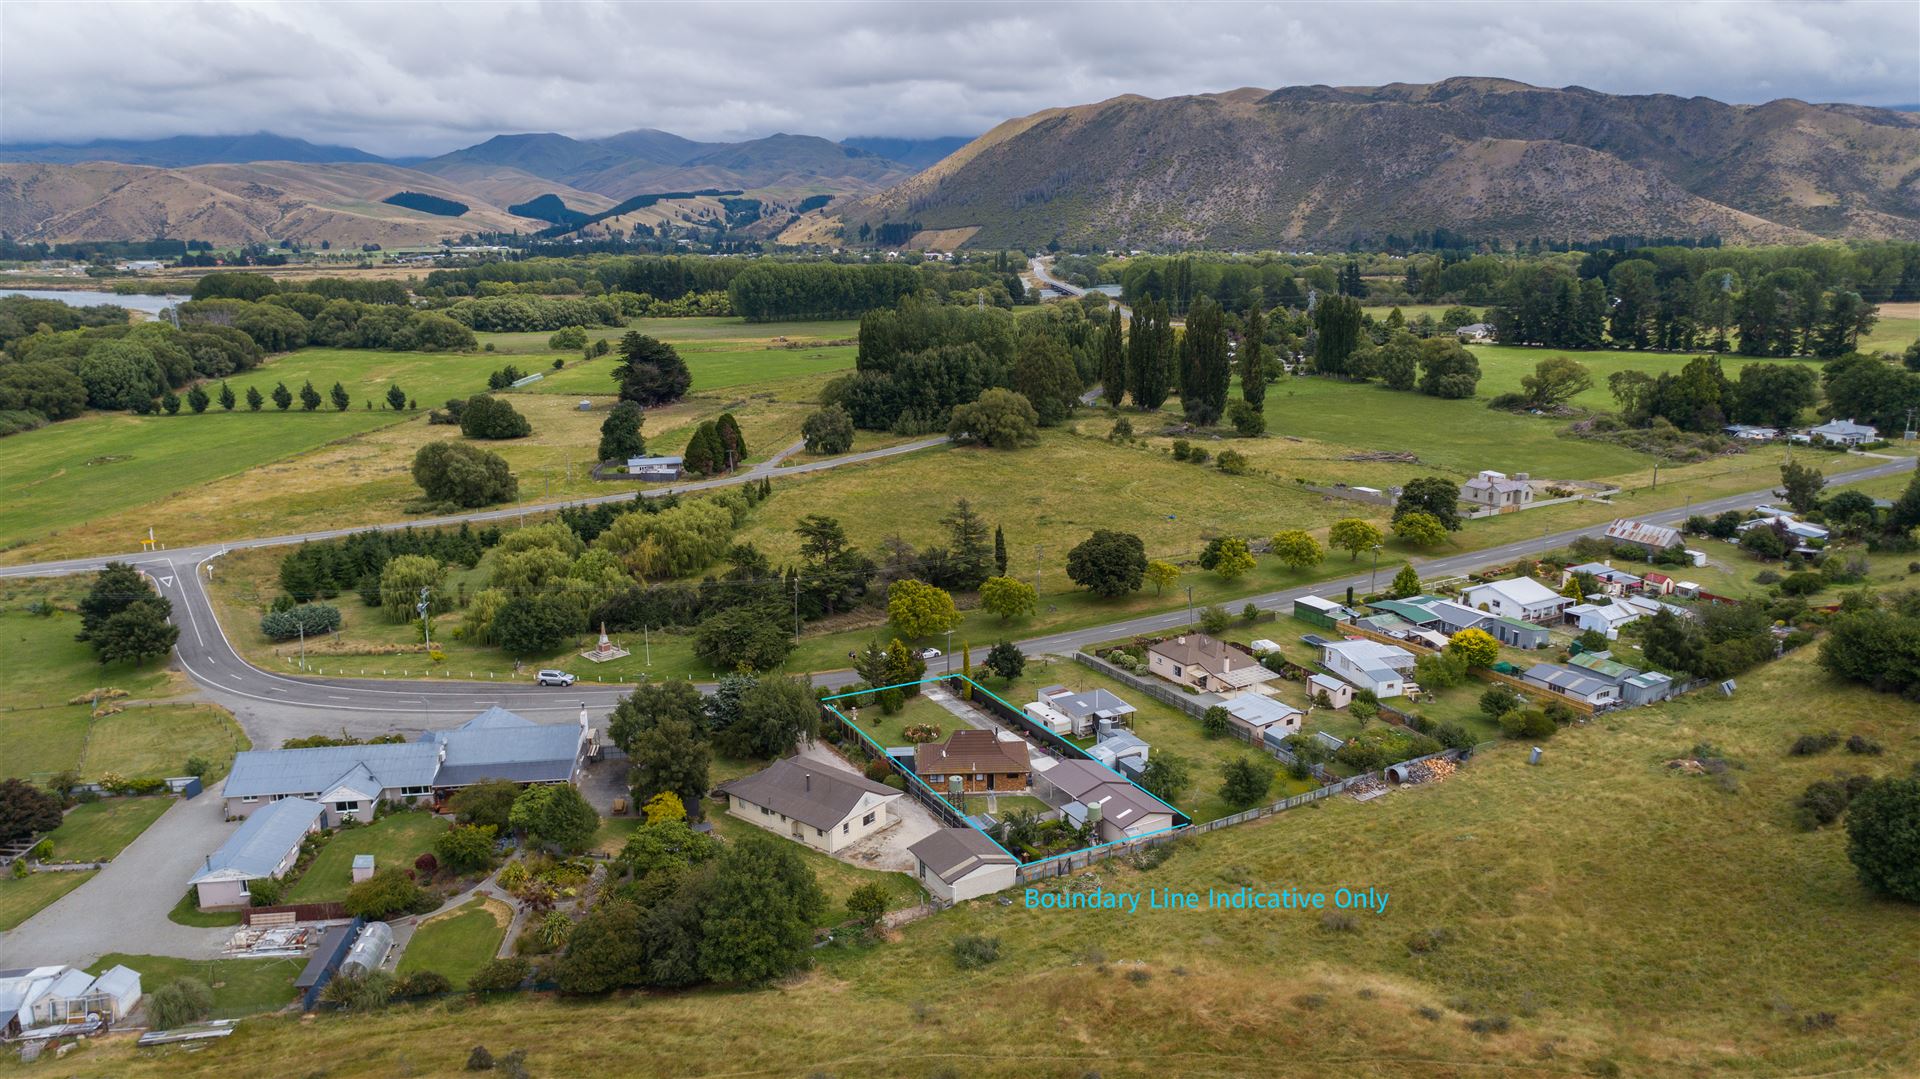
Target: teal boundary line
(855, 728)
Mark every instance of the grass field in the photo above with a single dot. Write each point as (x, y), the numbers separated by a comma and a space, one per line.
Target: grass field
(458, 943)
(1898, 327)
(97, 831)
(1502, 366)
(394, 840)
(23, 897)
(240, 986)
(1636, 920)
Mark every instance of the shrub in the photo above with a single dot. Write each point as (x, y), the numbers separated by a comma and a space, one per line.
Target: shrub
(1812, 745)
(500, 975)
(1883, 837)
(1527, 724)
(1214, 722)
(479, 1060)
(422, 983)
(1823, 802)
(1864, 746)
(1247, 420)
(266, 891)
(1214, 619)
(971, 951)
(179, 1002)
(310, 619)
(1232, 462)
(426, 865)
(388, 892)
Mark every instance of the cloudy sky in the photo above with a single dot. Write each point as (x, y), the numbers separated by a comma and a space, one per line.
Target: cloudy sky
(400, 78)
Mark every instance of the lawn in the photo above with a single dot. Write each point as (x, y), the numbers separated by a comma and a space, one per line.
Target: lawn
(890, 730)
(458, 943)
(394, 840)
(97, 831)
(1502, 367)
(23, 897)
(46, 667)
(712, 369)
(240, 986)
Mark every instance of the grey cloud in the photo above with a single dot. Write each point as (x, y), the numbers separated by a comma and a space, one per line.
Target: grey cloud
(423, 78)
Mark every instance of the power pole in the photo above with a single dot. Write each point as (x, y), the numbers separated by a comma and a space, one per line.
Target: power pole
(796, 610)
(426, 627)
(1038, 551)
(1189, 606)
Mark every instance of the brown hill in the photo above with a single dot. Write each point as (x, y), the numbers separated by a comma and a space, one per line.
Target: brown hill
(264, 201)
(1318, 166)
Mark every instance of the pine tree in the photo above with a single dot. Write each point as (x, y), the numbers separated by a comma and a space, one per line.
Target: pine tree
(226, 397)
(1253, 364)
(396, 398)
(1000, 550)
(1113, 360)
(340, 398)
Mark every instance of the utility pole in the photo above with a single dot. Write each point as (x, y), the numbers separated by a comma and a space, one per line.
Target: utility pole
(1374, 575)
(425, 605)
(646, 635)
(1038, 551)
(796, 610)
(302, 627)
(949, 651)
(1189, 606)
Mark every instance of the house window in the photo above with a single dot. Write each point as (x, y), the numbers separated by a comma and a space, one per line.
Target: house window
(819, 831)
(868, 819)
(845, 827)
(346, 807)
(251, 798)
(765, 812)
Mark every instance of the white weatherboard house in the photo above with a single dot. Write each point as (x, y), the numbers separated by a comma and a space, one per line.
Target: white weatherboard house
(1370, 665)
(351, 780)
(266, 845)
(1845, 432)
(812, 803)
(957, 864)
(1605, 617)
(1517, 597)
(1498, 491)
(1257, 715)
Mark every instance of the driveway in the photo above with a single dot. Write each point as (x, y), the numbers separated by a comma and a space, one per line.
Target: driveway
(124, 907)
(888, 849)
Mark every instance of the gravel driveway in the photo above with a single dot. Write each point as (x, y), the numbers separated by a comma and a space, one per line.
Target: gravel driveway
(124, 907)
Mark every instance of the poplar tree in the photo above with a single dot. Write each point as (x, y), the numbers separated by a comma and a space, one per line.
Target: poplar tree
(1113, 360)
(1205, 369)
(1253, 366)
(1149, 348)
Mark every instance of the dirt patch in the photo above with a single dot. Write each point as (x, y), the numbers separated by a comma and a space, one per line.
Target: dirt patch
(1402, 457)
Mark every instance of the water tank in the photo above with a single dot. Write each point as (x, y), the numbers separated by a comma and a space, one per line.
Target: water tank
(1093, 815)
(369, 949)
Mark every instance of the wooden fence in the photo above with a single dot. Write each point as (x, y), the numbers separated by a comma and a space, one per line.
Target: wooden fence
(1192, 704)
(288, 913)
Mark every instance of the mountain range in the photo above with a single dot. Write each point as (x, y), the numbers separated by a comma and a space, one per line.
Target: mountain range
(1315, 166)
(1299, 167)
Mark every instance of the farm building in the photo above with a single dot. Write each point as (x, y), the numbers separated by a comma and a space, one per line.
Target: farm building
(981, 760)
(1206, 663)
(1369, 665)
(1648, 537)
(349, 781)
(810, 803)
(958, 864)
(1517, 597)
(265, 846)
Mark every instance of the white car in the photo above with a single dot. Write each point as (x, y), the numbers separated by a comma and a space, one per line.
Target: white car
(554, 678)
(928, 653)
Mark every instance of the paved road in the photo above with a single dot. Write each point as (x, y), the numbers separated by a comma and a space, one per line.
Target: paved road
(124, 907)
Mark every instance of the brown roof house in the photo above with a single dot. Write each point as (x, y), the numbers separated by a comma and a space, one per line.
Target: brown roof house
(1206, 663)
(983, 760)
(812, 803)
(1092, 792)
(957, 864)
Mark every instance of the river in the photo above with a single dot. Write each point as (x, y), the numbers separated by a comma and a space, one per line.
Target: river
(152, 305)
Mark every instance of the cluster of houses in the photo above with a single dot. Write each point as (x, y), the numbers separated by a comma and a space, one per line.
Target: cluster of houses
(1833, 432)
(54, 1001)
(282, 795)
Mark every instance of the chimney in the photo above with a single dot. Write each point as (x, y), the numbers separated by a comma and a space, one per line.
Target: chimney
(809, 781)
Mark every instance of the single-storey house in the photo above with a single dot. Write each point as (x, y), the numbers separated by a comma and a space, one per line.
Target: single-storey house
(1613, 581)
(1648, 537)
(1569, 682)
(1603, 667)
(1339, 694)
(1498, 492)
(1370, 665)
(1090, 791)
(1517, 597)
(1477, 332)
(1255, 715)
(265, 847)
(1324, 613)
(54, 996)
(1647, 606)
(1844, 432)
(1065, 711)
(812, 803)
(1605, 617)
(1206, 663)
(1802, 531)
(1750, 432)
(1414, 610)
(655, 469)
(958, 864)
(1517, 633)
(1658, 584)
(983, 761)
(1646, 688)
(351, 780)
(1451, 618)
(1385, 622)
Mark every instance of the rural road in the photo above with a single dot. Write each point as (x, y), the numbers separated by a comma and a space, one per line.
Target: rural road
(273, 707)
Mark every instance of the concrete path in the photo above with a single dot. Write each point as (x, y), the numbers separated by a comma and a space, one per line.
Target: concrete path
(124, 908)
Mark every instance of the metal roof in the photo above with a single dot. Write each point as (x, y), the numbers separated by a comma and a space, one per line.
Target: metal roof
(496, 744)
(256, 849)
(952, 853)
(1566, 679)
(1092, 702)
(1258, 711)
(814, 794)
(264, 772)
(1524, 591)
(1630, 531)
